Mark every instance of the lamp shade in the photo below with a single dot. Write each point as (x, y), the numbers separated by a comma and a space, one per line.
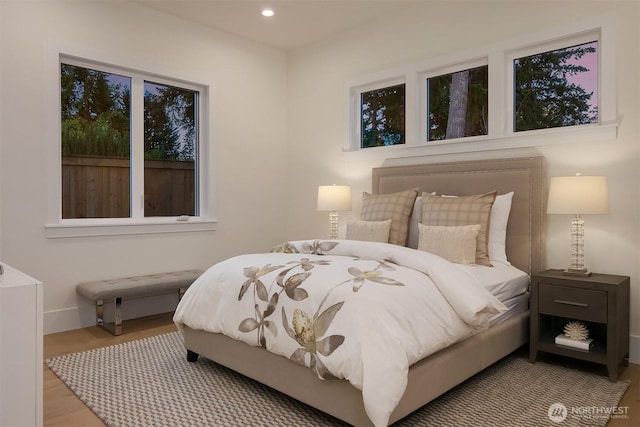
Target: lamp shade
(334, 198)
(578, 195)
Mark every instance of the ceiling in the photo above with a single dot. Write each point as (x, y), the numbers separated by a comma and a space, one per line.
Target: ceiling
(296, 23)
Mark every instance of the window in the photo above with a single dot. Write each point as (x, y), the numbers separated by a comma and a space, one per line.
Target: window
(132, 152)
(556, 88)
(458, 104)
(382, 116)
(170, 131)
(96, 146)
(96, 138)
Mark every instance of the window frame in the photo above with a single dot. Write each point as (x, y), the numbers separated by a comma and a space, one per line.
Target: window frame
(499, 58)
(356, 107)
(565, 42)
(423, 104)
(136, 223)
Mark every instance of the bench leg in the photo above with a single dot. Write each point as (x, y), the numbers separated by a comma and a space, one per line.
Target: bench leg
(116, 327)
(100, 313)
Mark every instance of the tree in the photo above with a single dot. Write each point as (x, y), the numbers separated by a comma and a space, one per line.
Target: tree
(458, 104)
(160, 134)
(95, 116)
(170, 122)
(544, 98)
(383, 120)
(94, 113)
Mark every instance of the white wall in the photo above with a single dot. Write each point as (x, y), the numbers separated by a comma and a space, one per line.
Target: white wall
(249, 137)
(318, 118)
(1, 127)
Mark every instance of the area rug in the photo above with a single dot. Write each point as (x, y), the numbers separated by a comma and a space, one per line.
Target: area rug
(150, 383)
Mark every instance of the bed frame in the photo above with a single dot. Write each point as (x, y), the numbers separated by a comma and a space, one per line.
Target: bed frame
(438, 373)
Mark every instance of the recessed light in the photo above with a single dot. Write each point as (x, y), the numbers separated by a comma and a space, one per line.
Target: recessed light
(267, 12)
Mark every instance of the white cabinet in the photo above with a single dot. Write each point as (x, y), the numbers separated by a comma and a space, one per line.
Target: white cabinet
(20, 349)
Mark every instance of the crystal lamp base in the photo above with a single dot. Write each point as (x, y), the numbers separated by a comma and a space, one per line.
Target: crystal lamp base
(577, 267)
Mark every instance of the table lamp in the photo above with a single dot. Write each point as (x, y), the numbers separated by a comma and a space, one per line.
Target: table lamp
(334, 198)
(578, 195)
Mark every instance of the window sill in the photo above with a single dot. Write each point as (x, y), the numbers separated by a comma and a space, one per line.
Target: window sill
(574, 134)
(125, 226)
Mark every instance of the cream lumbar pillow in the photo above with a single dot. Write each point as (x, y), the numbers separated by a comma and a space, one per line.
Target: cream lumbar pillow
(453, 243)
(369, 231)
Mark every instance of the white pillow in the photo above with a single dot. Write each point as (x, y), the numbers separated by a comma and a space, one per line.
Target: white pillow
(369, 231)
(498, 228)
(453, 243)
(416, 217)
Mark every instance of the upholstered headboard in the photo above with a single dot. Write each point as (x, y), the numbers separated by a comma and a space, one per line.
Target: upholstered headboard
(523, 176)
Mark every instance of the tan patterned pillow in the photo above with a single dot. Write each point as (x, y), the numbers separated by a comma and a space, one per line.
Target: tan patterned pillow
(456, 244)
(369, 231)
(394, 206)
(466, 210)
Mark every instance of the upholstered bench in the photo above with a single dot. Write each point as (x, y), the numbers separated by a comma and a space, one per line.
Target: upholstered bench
(133, 287)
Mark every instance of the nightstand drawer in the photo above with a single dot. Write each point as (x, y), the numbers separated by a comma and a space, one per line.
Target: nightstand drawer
(580, 304)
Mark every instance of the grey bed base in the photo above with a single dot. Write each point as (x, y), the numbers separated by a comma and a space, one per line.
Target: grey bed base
(428, 379)
(438, 373)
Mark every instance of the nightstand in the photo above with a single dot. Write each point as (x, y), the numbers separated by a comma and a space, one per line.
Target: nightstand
(600, 301)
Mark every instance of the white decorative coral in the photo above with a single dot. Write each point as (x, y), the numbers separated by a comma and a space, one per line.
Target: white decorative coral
(576, 331)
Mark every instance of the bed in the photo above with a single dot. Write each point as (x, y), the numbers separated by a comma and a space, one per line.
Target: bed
(444, 369)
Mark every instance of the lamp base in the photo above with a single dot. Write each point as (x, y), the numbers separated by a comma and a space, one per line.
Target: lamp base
(333, 225)
(577, 272)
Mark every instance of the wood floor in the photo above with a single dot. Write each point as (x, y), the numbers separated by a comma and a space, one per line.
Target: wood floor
(63, 409)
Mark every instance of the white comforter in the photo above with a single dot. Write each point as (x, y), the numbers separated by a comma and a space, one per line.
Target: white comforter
(356, 310)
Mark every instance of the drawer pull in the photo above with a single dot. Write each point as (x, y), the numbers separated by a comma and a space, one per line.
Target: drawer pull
(577, 304)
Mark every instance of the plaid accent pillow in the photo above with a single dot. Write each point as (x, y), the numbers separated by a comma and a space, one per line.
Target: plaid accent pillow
(394, 206)
(466, 210)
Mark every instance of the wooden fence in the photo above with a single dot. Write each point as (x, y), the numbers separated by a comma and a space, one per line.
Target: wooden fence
(99, 187)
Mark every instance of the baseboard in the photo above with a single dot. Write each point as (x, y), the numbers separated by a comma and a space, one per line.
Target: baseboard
(85, 315)
(634, 349)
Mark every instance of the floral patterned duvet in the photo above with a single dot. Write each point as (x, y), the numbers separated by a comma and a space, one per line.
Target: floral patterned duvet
(356, 310)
